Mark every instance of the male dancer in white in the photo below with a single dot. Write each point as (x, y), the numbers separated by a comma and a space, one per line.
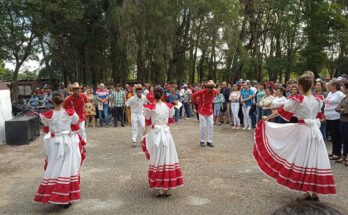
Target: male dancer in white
(136, 104)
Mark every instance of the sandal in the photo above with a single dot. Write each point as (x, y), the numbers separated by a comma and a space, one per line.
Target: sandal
(306, 197)
(334, 157)
(340, 160)
(159, 193)
(167, 193)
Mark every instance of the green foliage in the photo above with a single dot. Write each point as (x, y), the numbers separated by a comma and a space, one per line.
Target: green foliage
(159, 41)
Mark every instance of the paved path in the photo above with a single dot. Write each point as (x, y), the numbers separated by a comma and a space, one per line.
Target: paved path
(220, 180)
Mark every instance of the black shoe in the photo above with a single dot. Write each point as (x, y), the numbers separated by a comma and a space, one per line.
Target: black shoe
(67, 206)
(315, 198)
(202, 144)
(305, 198)
(210, 144)
(122, 126)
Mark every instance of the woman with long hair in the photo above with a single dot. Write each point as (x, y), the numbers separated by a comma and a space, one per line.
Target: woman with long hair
(164, 170)
(294, 154)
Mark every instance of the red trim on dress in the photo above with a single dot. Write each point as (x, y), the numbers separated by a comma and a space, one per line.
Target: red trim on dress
(315, 180)
(59, 191)
(160, 177)
(298, 98)
(75, 127)
(320, 115)
(70, 112)
(285, 114)
(45, 129)
(143, 147)
(47, 114)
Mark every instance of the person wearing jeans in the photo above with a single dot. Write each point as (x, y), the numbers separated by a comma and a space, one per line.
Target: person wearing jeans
(174, 98)
(118, 98)
(102, 96)
(204, 98)
(246, 100)
(235, 98)
(332, 101)
(187, 101)
(343, 110)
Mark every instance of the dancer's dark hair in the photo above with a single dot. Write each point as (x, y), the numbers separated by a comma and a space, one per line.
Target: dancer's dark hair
(57, 98)
(158, 92)
(306, 81)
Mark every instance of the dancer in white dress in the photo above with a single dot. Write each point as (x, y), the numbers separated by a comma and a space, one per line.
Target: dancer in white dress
(164, 170)
(64, 155)
(295, 154)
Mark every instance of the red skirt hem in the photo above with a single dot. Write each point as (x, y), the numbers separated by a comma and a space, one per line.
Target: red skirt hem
(287, 174)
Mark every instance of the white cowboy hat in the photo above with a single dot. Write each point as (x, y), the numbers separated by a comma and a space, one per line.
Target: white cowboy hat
(210, 83)
(76, 85)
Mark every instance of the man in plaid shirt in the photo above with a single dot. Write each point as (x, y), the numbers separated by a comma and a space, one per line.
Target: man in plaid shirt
(118, 98)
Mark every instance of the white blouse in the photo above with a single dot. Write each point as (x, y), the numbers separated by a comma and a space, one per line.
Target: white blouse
(60, 121)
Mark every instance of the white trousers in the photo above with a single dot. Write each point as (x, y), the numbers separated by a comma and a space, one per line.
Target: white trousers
(246, 117)
(206, 123)
(235, 111)
(138, 126)
(83, 130)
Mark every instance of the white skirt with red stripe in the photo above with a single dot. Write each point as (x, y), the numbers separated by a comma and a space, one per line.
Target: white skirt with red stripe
(294, 155)
(164, 168)
(61, 181)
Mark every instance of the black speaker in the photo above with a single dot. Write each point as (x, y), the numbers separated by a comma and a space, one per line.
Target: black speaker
(22, 130)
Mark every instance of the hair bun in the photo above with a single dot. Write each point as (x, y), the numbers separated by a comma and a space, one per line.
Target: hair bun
(308, 74)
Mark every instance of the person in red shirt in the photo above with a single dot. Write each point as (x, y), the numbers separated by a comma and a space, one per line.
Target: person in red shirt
(204, 98)
(150, 96)
(77, 101)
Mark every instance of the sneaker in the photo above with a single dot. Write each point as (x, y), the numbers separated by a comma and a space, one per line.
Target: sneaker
(202, 144)
(245, 128)
(249, 129)
(134, 144)
(210, 144)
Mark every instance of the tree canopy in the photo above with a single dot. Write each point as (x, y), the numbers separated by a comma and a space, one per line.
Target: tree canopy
(161, 41)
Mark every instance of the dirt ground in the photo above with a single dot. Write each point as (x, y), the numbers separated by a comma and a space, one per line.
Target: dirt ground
(220, 180)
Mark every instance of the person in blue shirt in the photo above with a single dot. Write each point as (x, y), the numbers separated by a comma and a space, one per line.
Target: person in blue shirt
(246, 96)
(174, 98)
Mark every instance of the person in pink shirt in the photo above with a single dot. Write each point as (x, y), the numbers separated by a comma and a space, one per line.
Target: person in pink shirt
(205, 99)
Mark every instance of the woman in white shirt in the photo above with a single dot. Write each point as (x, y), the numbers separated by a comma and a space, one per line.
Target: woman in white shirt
(332, 100)
(234, 98)
(266, 102)
(278, 101)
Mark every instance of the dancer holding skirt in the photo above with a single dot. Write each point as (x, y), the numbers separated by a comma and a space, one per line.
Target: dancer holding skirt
(164, 169)
(295, 154)
(64, 155)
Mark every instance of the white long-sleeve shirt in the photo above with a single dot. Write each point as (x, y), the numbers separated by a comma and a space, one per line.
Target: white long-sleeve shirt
(137, 104)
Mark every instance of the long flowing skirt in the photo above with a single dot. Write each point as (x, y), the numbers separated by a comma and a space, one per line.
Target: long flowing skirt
(61, 181)
(294, 155)
(164, 168)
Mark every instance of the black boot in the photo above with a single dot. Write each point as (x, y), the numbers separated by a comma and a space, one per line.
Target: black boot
(210, 144)
(67, 205)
